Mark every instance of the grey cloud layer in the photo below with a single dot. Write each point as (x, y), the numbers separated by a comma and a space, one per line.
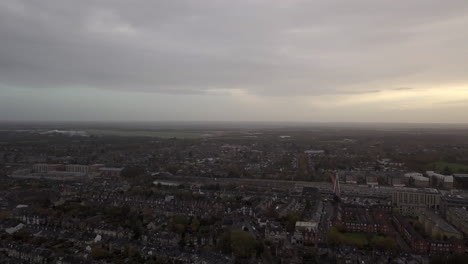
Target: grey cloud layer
(265, 47)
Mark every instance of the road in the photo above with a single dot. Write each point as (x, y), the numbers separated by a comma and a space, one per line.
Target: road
(326, 220)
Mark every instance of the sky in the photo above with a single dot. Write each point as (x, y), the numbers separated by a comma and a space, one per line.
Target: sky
(243, 60)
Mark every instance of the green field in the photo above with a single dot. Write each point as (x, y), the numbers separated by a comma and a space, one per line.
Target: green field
(146, 133)
(347, 238)
(355, 238)
(361, 240)
(453, 167)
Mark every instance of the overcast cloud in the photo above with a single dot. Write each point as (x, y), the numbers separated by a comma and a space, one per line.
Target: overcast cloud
(337, 59)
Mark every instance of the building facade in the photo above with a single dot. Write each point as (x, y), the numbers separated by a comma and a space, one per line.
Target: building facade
(77, 168)
(412, 201)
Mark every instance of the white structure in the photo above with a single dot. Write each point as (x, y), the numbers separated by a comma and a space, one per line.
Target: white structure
(436, 175)
(419, 179)
(413, 174)
(77, 168)
(309, 226)
(446, 180)
(14, 229)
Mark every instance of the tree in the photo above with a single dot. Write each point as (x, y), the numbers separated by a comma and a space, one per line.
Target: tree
(243, 244)
(233, 171)
(131, 251)
(5, 215)
(386, 243)
(411, 181)
(452, 259)
(225, 243)
(194, 225)
(310, 257)
(334, 236)
(173, 168)
(99, 253)
(447, 170)
(291, 219)
(132, 172)
(259, 248)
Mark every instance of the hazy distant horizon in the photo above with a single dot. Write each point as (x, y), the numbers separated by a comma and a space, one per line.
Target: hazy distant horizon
(303, 61)
(213, 125)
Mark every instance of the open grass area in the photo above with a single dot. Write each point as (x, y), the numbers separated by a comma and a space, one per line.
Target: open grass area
(452, 167)
(146, 133)
(355, 238)
(361, 240)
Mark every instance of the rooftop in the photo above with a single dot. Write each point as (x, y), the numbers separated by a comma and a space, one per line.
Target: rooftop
(420, 190)
(460, 212)
(306, 225)
(441, 223)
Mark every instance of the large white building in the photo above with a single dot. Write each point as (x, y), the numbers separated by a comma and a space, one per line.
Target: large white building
(418, 178)
(413, 201)
(446, 180)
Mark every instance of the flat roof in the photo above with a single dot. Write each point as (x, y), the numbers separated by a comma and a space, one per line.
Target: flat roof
(306, 224)
(421, 190)
(460, 212)
(111, 169)
(441, 223)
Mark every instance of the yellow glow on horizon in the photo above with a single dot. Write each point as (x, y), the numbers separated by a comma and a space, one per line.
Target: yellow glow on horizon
(408, 99)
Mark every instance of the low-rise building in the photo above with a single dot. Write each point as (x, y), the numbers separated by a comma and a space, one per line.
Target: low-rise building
(111, 172)
(44, 167)
(371, 181)
(412, 237)
(397, 181)
(305, 233)
(423, 245)
(417, 179)
(453, 200)
(275, 232)
(445, 181)
(366, 219)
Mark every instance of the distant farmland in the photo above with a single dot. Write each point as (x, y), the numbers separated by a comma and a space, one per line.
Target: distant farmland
(147, 133)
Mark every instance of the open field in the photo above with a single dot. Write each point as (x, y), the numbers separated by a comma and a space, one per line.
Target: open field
(355, 238)
(361, 240)
(453, 167)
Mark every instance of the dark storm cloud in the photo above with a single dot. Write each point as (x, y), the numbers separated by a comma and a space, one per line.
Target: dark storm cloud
(263, 47)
